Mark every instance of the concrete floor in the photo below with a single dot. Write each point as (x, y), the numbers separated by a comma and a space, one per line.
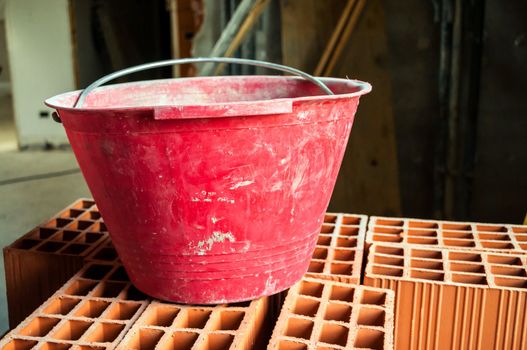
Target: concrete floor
(34, 185)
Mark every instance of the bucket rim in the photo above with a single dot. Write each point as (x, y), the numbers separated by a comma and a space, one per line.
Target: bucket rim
(55, 103)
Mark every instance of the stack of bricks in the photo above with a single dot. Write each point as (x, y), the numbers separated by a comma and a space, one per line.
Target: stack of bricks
(458, 285)
(42, 260)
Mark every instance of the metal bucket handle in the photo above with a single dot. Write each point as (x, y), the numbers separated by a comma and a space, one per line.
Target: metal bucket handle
(142, 67)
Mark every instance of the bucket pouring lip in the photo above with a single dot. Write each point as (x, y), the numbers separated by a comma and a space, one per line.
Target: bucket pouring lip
(281, 105)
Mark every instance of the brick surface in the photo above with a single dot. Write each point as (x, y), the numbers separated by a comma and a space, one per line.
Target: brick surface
(93, 310)
(338, 254)
(502, 238)
(453, 299)
(323, 314)
(42, 260)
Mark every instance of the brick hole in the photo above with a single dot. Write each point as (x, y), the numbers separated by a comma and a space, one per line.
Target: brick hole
(69, 235)
(299, 328)
(338, 312)
(81, 225)
(306, 307)
(348, 231)
(193, 318)
(161, 316)
(134, 294)
(92, 237)
(459, 243)
(371, 317)
(342, 293)
(519, 229)
(61, 306)
(422, 224)
(496, 245)
(390, 251)
(109, 289)
(510, 282)
(324, 240)
(145, 339)
(39, 327)
(508, 271)
(94, 215)
(388, 260)
(426, 254)
(327, 228)
(460, 235)
(422, 240)
(241, 304)
(106, 254)
(72, 330)
(387, 238)
(427, 275)
(494, 237)
(521, 238)
(369, 338)
(523, 246)
(181, 341)
(72, 213)
(347, 242)
(19, 344)
(422, 233)
(426, 264)
(471, 268)
(75, 249)
(26, 244)
(350, 220)
(344, 255)
(217, 342)
(387, 271)
(388, 222)
(504, 260)
(371, 297)
(55, 346)
(45, 233)
(102, 227)
(459, 256)
(320, 253)
(315, 267)
(96, 271)
(119, 275)
(59, 222)
(92, 308)
(122, 311)
(230, 320)
(105, 332)
(388, 230)
(469, 279)
(87, 347)
(50, 247)
(334, 334)
(85, 204)
(329, 218)
(312, 289)
(491, 228)
(80, 287)
(291, 345)
(341, 269)
(456, 227)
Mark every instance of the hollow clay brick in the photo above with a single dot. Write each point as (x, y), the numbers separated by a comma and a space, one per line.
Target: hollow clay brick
(222, 327)
(502, 238)
(93, 310)
(42, 260)
(338, 254)
(453, 299)
(104, 253)
(323, 314)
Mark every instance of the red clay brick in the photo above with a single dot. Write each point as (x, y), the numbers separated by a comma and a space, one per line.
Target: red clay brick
(338, 254)
(42, 260)
(453, 299)
(323, 314)
(503, 238)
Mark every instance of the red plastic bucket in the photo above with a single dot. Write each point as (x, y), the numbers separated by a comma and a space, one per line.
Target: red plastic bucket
(213, 189)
